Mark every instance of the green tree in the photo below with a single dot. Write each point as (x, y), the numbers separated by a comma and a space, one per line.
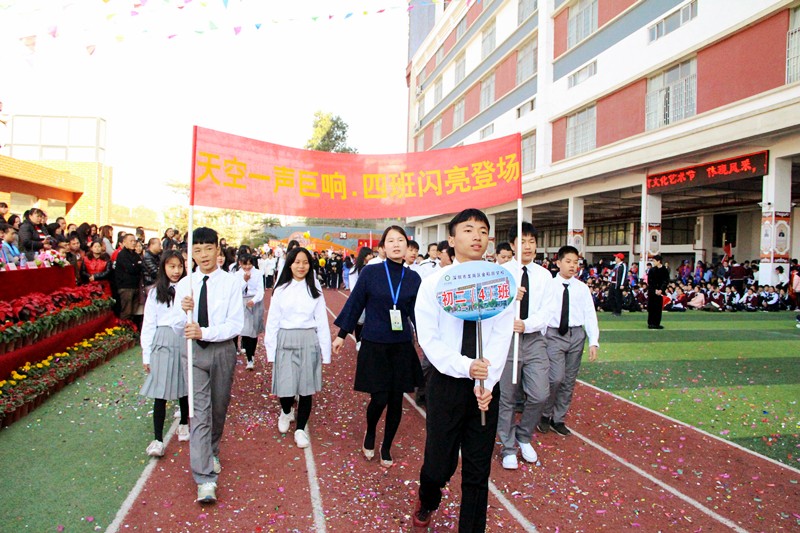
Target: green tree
(330, 134)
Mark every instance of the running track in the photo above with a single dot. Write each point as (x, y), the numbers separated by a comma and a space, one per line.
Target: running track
(624, 468)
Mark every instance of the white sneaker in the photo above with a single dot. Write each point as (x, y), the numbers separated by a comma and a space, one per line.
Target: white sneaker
(510, 462)
(155, 449)
(301, 439)
(242, 351)
(250, 365)
(358, 346)
(284, 420)
(177, 413)
(217, 465)
(207, 492)
(183, 432)
(528, 453)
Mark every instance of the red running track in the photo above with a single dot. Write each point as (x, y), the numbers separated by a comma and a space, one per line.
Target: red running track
(625, 468)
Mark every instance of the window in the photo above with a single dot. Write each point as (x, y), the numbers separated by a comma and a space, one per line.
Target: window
(488, 130)
(458, 114)
(421, 142)
(557, 237)
(437, 91)
(487, 92)
(526, 108)
(793, 48)
(461, 68)
(488, 40)
(581, 131)
(437, 130)
(673, 21)
(678, 230)
(607, 235)
(582, 75)
(525, 9)
(671, 95)
(461, 29)
(439, 55)
(421, 109)
(527, 60)
(528, 153)
(582, 21)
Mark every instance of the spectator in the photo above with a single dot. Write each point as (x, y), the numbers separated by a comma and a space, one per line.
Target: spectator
(74, 255)
(128, 275)
(3, 212)
(106, 235)
(97, 266)
(10, 252)
(32, 233)
(150, 262)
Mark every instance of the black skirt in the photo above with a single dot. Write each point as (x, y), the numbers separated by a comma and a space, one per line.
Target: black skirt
(387, 367)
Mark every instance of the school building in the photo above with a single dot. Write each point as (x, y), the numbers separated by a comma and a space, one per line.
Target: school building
(648, 126)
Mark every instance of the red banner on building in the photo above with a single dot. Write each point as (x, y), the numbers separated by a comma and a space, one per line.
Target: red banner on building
(239, 173)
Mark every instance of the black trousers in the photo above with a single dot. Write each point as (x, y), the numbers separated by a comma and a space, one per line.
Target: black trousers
(454, 423)
(616, 300)
(654, 309)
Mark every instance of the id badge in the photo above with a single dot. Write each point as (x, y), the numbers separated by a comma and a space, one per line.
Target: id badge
(396, 319)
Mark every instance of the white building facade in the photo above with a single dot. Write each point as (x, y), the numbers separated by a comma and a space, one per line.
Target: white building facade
(674, 123)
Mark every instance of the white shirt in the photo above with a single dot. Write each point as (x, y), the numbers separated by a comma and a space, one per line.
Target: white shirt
(353, 277)
(376, 260)
(255, 286)
(539, 279)
(155, 314)
(581, 307)
(292, 307)
(225, 310)
(426, 268)
(269, 265)
(439, 334)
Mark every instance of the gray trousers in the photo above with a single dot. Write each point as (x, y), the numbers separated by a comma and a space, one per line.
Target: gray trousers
(212, 371)
(565, 355)
(532, 378)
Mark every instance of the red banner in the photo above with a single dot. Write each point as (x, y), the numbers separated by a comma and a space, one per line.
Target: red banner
(239, 173)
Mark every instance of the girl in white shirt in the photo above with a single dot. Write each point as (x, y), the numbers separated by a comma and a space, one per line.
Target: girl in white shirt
(298, 340)
(253, 299)
(161, 352)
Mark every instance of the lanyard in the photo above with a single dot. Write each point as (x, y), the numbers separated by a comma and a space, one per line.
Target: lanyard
(395, 295)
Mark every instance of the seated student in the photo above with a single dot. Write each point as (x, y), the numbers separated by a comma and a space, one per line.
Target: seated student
(784, 301)
(571, 320)
(678, 300)
(10, 254)
(770, 300)
(749, 301)
(697, 300)
(715, 300)
(732, 299)
(629, 302)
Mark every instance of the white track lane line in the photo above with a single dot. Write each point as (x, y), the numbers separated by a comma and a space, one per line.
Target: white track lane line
(684, 424)
(313, 487)
(513, 511)
(137, 488)
(675, 492)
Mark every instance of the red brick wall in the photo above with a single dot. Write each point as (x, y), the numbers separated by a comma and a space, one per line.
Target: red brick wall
(559, 139)
(449, 42)
(560, 33)
(472, 102)
(474, 12)
(745, 64)
(608, 9)
(505, 77)
(447, 122)
(621, 114)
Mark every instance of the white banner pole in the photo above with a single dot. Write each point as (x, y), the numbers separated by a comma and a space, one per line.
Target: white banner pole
(519, 274)
(189, 343)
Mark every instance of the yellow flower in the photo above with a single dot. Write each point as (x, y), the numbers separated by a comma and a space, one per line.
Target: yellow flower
(39, 365)
(12, 382)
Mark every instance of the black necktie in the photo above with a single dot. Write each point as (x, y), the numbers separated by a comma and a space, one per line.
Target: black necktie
(563, 326)
(469, 339)
(523, 304)
(202, 310)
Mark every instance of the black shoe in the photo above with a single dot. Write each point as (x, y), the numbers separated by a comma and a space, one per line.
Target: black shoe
(659, 326)
(544, 425)
(561, 429)
(421, 517)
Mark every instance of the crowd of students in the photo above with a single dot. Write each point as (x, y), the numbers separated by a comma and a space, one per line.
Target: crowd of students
(392, 308)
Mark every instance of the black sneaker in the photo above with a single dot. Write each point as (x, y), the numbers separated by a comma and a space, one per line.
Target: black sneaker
(544, 425)
(561, 429)
(422, 516)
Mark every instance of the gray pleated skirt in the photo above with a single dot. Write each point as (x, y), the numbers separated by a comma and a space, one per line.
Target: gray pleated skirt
(253, 320)
(167, 377)
(298, 363)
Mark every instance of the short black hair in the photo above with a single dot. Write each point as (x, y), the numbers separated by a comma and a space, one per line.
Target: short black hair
(657, 257)
(245, 259)
(527, 231)
(444, 246)
(414, 245)
(205, 235)
(503, 247)
(463, 216)
(3, 204)
(564, 250)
